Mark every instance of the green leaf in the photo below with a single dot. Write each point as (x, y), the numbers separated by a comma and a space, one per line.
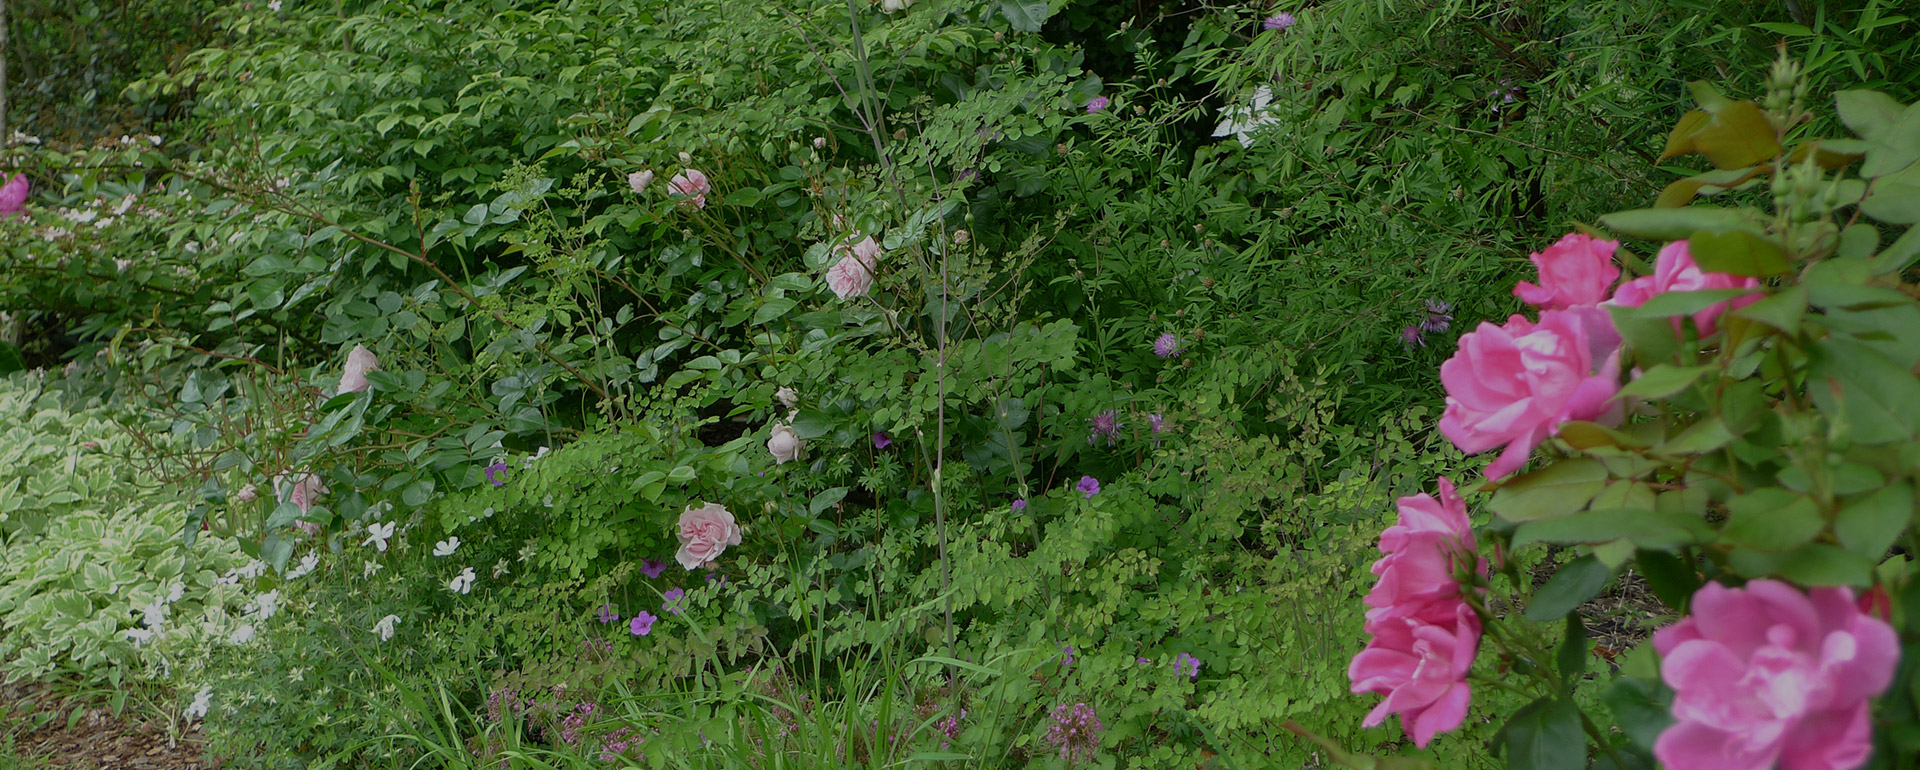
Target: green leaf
(1027, 16)
(1571, 658)
(1772, 520)
(1663, 381)
(1578, 581)
(477, 215)
(1737, 252)
(812, 424)
(1648, 529)
(1815, 564)
(774, 308)
(1672, 224)
(1899, 255)
(1672, 578)
(1638, 710)
(826, 499)
(1544, 735)
(1867, 113)
(1869, 525)
(1556, 490)
(1895, 146)
(1674, 304)
(1738, 135)
(1704, 436)
(1877, 400)
(1895, 198)
(1781, 311)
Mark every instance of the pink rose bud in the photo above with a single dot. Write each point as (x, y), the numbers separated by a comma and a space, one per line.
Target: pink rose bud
(639, 180)
(1513, 385)
(785, 445)
(1578, 270)
(1675, 270)
(1766, 676)
(819, 142)
(360, 361)
(704, 533)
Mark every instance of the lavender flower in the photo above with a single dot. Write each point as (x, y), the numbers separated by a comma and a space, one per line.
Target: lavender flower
(1411, 337)
(881, 440)
(1105, 424)
(607, 613)
(1437, 316)
(497, 474)
(1066, 655)
(1097, 104)
(1158, 422)
(1167, 345)
(1188, 664)
(1075, 732)
(950, 728)
(1279, 21)
(673, 602)
(1020, 504)
(1089, 486)
(652, 568)
(642, 623)
(1143, 661)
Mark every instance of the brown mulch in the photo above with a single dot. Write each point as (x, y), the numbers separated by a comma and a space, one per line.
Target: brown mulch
(97, 738)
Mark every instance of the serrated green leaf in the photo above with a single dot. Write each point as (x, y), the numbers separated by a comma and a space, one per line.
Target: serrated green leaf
(1772, 520)
(1578, 581)
(1663, 381)
(1870, 524)
(1556, 490)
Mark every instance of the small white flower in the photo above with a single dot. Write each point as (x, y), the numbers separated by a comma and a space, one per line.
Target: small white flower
(446, 547)
(462, 582)
(174, 592)
(267, 604)
(1242, 122)
(202, 701)
(369, 569)
(306, 566)
(274, 6)
(788, 397)
(500, 568)
(253, 569)
(242, 635)
(154, 615)
(385, 627)
(528, 462)
(139, 636)
(377, 535)
(785, 445)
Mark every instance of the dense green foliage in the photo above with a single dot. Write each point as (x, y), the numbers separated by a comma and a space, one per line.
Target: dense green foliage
(567, 362)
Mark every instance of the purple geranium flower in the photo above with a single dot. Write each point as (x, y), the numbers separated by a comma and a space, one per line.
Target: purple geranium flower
(1066, 655)
(881, 440)
(1075, 732)
(1187, 664)
(1279, 21)
(652, 568)
(608, 614)
(1158, 422)
(497, 474)
(1104, 425)
(673, 597)
(1097, 104)
(642, 623)
(1020, 504)
(1089, 486)
(1167, 345)
(1412, 336)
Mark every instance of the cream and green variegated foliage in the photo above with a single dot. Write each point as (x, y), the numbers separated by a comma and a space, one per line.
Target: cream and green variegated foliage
(92, 552)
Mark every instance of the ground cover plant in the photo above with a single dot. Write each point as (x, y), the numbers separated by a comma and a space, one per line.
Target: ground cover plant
(973, 382)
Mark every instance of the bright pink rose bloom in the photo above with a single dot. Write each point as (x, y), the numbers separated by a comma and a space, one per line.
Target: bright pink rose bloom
(360, 360)
(1578, 270)
(1420, 663)
(1766, 674)
(691, 187)
(705, 532)
(1513, 385)
(13, 196)
(1421, 553)
(1675, 270)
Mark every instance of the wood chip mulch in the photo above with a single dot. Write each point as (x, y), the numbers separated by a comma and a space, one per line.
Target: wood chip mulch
(96, 740)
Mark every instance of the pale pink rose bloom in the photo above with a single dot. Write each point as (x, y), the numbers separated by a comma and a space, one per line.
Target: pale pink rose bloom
(1765, 674)
(1422, 552)
(360, 361)
(13, 196)
(247, 494)
(691, 187)
(785, 444)
(867, 250)
(1513, 385)
(639, 180)
(850, 277)
(1675, 270)
(704, 533)
(1420, 663)
(1577, 270)
(303, 489)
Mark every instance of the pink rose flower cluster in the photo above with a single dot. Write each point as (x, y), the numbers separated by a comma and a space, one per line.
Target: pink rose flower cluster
(1766, 676)
(1424, 635)
(13, 196)
(1513, 385)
